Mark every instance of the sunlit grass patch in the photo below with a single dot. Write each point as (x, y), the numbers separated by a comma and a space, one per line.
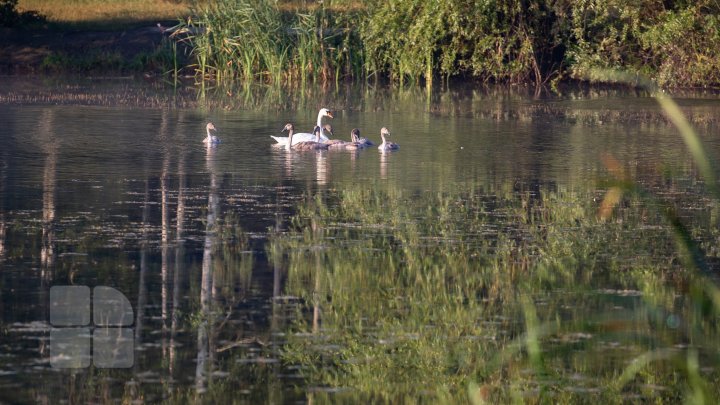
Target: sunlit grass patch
(106, 13)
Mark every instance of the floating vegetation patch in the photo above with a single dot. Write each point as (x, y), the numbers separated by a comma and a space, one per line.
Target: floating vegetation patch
(405, 300)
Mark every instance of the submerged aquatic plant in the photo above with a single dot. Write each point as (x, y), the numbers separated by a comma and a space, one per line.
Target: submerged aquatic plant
(412, 290)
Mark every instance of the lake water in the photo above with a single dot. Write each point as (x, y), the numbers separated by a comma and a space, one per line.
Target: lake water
(476, 263)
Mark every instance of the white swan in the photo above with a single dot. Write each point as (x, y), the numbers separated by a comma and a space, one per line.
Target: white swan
(386, 145)
(211, 139)
(304, 136)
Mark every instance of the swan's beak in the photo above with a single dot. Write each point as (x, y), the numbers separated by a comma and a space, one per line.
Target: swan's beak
(329, 114)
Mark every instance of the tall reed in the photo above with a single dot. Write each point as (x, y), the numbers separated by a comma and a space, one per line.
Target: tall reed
(246, 41)
(238, 39)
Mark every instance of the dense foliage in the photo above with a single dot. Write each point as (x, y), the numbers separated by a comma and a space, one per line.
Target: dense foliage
(516, 41)
(502, 41)
(674, 43)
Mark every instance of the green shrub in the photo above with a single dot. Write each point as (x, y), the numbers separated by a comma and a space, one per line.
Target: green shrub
(508, 41)
(677, 46)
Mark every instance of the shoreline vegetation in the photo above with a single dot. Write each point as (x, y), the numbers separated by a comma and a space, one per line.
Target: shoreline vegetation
(290, 43)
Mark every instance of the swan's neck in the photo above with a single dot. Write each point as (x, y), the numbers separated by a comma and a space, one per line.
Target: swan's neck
(289, 142)
(319, 124)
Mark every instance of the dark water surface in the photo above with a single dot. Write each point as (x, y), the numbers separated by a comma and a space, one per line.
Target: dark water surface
(112, 186)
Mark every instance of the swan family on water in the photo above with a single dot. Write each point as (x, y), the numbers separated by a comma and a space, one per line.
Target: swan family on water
(317, 140)
(304, 136)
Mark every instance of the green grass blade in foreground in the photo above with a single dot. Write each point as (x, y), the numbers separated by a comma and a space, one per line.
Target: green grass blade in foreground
(673, 112)
(691, 140)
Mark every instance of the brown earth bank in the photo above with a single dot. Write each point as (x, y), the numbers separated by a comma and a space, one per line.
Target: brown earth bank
(43, 50)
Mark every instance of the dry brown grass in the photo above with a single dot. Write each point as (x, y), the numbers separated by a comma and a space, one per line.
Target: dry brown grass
(112, 12)
(118, 13)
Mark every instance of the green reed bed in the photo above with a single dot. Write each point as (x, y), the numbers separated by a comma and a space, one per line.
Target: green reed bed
(465, 297)
(242, 40)
(540, 42)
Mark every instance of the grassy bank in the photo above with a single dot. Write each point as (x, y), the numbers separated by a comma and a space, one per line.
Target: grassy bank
(90, 36)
